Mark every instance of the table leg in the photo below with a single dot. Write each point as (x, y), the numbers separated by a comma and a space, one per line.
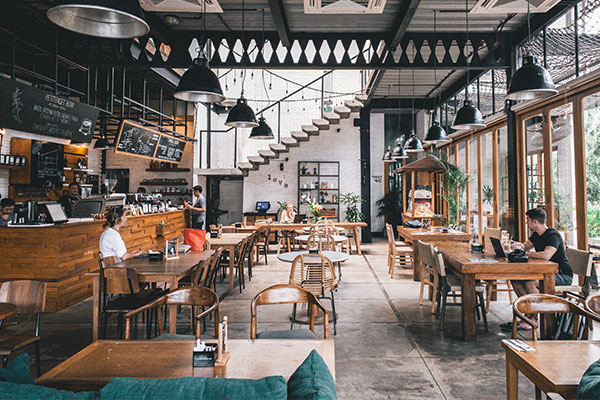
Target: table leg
(96, 307)
(512, 381)
(468, 307)
(231, 250)
(416, 264)
(173, 283)
(546, 320)
(357, 240)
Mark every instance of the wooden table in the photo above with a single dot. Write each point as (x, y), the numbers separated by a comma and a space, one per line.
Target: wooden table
(275, 226)
(411, 235)
(456, 255)
(103, 360)
(556, 366)
(229, 242)
(169, 271)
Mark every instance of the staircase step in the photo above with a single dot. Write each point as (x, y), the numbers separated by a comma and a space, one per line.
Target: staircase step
(246, 166)
(300, 136)
(343, 111)
(257, 160)
(278, 147)
(361, 97)
(289, 142)
(310, 129)
(267, 154)
(322, 124)
(353, 105)
(332, 118)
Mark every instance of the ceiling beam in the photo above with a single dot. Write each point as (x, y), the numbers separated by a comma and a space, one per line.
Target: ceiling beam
(405, 15)
(281, 22)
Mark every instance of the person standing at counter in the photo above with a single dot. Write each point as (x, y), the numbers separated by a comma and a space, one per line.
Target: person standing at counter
(198, 209)
(111, 242)
(7, 211)
(68, 201)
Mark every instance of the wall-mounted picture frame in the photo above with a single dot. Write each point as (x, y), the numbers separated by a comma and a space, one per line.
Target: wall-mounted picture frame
(172, 249)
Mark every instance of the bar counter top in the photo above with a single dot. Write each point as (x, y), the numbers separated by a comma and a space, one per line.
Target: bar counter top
(62, 254)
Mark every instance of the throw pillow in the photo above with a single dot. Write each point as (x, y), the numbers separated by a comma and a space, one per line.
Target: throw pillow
(17, 371)
(16, 391)
(312, 380)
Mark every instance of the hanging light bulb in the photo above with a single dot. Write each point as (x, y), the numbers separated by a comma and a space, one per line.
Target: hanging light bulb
(263, 131)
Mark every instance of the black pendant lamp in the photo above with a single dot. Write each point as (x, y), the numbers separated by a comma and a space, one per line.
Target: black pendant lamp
(398, 153)
(241, 115)
(436, 134)
(111, 19)
(413, 144)
(387, 155)
(468, 117)
(531, 81)
(199, 84)
(263, 131)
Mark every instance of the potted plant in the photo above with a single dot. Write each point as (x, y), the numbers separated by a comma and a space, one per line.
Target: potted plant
(389, 208)
(315, 211)
(455, 181)
(352, 201)
(488, 195)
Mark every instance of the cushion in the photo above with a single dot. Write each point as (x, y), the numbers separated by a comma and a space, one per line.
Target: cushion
(589, 385)
(312, 380)
(288, 334)
(271, 387)
(17, 371)
(16, 391)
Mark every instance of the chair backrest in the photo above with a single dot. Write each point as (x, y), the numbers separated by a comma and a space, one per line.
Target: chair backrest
(199, 271)
(313, 272)
(104, 262)
(426, 254)
(581, 261)
(439, 265)
(28, 296)
(321, 242)
(390, 234)
(492, 233)
(209, 275)
(287, 294)
(121, 281)
(592, 303)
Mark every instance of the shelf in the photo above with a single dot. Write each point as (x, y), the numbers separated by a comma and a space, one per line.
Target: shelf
(163, 184)
(168, 169)
(171, 193)
(78, 169)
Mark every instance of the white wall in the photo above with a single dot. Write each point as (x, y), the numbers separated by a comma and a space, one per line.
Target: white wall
(329, 145)
(377, 139)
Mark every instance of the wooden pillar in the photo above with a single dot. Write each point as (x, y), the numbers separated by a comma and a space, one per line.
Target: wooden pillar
(412, 193)
(495, 179)
(521, 179)
(580, 173)
(547, 149)
(404, 194)
(432, 184)
(479, 191)
(457, 197)
(468, 188)
(386, 178)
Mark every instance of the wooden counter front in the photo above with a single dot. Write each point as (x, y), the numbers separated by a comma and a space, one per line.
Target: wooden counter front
(61, 255)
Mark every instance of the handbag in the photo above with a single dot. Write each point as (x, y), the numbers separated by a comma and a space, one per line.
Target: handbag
(412, 224)
(195, 238)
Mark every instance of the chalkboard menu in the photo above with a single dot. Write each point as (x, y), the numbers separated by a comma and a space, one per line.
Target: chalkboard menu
(28, 109)
(136, 140)
(46, 163)
(170, 149)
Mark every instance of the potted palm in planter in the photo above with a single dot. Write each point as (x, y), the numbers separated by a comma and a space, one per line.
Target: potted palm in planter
(352, 201)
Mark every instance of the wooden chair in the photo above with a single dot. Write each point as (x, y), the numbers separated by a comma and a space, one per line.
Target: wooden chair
(493, 285)
(581, 262)
(592, 304)
(323, 242)
(398, 252)
(194, 278)
(286, 238)
(194, 296)
(450, 285)
(428, 275)
(315, 273)
(250, 253)
(262, 243)
(29, 297)
(288, 294)
(209, 275)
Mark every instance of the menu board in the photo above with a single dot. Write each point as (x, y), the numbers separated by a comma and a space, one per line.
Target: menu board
(170, 149)
(29, 109)
(136, 140)
(46, 163)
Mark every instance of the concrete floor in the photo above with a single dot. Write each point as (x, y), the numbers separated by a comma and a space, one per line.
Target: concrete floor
(387, 346)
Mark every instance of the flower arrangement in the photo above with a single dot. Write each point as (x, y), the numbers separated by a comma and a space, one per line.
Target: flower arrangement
(315, 210)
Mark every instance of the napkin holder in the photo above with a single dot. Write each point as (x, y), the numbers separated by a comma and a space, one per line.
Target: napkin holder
(313, 250)
(155, 255)
(476, 248)
(204, 356)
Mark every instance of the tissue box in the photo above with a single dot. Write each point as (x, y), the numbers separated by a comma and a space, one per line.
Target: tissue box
(206, 357)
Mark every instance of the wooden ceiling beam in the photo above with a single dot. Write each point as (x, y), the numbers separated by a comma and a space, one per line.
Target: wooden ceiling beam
(405, 15)
(281, 22)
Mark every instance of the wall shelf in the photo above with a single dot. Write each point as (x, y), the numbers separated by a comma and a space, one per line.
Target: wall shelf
(324, 173)
(168, 169)
(163, 183)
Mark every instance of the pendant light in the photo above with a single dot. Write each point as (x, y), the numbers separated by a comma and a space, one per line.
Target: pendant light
(413, 144)
(263, 131)
(387, 155)
(469, 116)
(111, 19)
(241, 115)
(531, 81)
(436, 134)
(399, 153)
(199, 84)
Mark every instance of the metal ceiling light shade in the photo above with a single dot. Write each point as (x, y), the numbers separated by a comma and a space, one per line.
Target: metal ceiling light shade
(398, 153)
(112, 19)
(387, 155)
(468, 117)
(436, 134)
(102, 144)
(413, 144)
(199, 84)
(263, 131)
(531, 81)
(241, 115)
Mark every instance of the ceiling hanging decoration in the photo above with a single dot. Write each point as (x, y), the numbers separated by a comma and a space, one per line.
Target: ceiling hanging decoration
(111, 19)
(413, 144)
(263, 131)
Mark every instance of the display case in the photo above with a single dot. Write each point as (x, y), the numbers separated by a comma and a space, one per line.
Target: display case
(319, 181)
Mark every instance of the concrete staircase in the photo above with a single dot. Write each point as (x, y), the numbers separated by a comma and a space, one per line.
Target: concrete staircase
(303, 135)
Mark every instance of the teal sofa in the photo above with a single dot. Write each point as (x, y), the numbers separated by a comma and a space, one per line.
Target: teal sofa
(312, 381)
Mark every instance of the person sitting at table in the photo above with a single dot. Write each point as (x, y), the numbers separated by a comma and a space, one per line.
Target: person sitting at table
(545, 243)
(7, 211)
(111, 242)
(288, 214)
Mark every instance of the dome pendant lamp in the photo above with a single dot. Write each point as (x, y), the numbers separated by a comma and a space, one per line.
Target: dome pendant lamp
(436, 134)
(399, 153)
(111, 19)
(387, 155)
(263, 131)
(413, 144)
(199, 84)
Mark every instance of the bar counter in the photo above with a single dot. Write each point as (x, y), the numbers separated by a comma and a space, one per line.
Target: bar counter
(61, 255)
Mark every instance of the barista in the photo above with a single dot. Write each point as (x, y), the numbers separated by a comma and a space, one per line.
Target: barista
(68, 201)
(7, 211)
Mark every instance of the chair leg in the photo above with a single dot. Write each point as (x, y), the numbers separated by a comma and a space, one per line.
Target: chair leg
(443, 313)
(293, 316)
(279, 245)
(339, 271)
(421, 291)
(488, 299)
(434, 289)
(510, 290)
(483, 312)
(266, 250)
(37, 359)
(334, 316)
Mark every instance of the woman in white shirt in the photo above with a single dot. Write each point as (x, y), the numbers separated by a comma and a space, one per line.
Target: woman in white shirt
(287, 215)
(111, 242)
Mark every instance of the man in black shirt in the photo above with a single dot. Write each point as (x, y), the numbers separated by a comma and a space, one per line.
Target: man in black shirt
(68, 201)
(548, 245)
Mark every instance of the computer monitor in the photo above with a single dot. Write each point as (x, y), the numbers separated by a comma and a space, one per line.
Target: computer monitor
(55, 213)
(84, 208)
(263, 206)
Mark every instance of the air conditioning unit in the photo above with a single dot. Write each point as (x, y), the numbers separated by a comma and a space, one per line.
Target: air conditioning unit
(512, 6)
(344, 6)
(191, 6)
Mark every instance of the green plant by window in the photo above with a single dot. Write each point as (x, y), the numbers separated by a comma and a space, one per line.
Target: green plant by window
(388, 207)
(488, 195)
(352, 201)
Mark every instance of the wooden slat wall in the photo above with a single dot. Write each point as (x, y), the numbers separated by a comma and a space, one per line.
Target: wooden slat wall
(61, 255)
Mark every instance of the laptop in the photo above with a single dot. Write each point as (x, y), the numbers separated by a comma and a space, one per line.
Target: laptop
(299, 218)
(498, 249)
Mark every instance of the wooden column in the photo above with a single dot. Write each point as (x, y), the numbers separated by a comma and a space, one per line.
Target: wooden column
(479, 191)
(580, 173)
(548, 185)
(404, 194)
(468, 188)
(457, 194)
(521, 178)
(386, 177)
(432, 184)
(412, 193)
(495, 179)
